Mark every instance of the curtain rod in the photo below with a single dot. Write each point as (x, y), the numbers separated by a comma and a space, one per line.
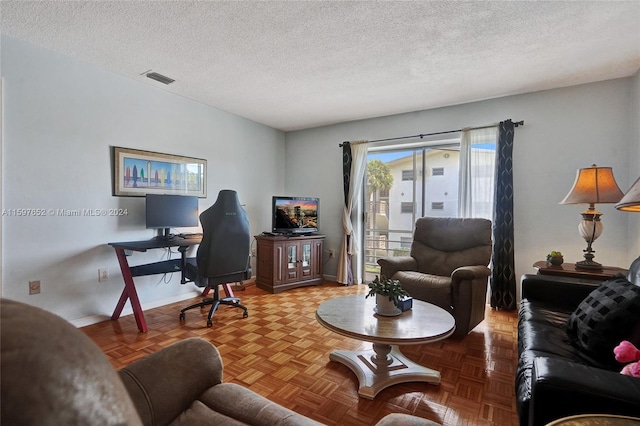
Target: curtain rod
(422, 135)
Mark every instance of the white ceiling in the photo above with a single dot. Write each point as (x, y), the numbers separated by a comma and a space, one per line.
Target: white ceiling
(294, 65)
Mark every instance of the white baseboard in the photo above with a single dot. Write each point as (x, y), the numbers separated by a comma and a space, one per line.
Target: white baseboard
(94, 319)
(333, 278)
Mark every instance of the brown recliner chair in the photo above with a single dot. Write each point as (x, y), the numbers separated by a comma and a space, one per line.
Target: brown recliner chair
(447, 266)
(53, 374)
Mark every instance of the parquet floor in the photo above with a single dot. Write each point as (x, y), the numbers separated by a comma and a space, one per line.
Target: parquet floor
(282, 353)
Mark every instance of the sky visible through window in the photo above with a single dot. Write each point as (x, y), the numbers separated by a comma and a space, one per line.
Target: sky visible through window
(385, 157)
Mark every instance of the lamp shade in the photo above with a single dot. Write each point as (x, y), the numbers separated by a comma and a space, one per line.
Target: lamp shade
(594, 185)
(631, 200)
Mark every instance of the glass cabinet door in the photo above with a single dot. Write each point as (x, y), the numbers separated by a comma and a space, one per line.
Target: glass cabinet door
(292, 256)
(306, 255)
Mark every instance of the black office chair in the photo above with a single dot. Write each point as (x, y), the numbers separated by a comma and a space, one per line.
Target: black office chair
(223, 255)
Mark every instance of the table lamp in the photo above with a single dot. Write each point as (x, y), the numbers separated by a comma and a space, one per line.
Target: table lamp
(592, 185)
(631, 200)
(631, 203)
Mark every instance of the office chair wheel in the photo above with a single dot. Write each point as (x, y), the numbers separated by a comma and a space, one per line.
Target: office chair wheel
(209, 323)
(182, 316)
(246, 314)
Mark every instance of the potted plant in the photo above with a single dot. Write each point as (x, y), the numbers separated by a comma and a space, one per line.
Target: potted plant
(555, 258)
(388, 293)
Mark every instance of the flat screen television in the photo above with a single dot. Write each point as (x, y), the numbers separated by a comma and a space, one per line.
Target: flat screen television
(295, 215)
(165, 211)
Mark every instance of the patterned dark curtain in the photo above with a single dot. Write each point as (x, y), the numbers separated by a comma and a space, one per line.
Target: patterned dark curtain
(346, 169)
(503, 281)
(346, 177)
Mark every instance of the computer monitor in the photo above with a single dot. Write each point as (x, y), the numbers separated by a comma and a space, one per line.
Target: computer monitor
(165, 211)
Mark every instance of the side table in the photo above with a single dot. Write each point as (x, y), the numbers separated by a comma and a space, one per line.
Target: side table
(596, 420)
(569, 270)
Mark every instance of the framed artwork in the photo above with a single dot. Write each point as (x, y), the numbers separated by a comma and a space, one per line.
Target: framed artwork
(137, 173)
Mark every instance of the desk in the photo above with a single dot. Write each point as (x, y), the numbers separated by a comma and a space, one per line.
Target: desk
(569, 270)
(384, 365)
(163, 267)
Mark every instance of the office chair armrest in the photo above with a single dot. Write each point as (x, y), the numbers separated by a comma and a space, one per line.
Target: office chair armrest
(390, 265)
(165, 383)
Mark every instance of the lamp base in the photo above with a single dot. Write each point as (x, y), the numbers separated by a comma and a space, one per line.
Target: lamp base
(590, 228)
(589, 264)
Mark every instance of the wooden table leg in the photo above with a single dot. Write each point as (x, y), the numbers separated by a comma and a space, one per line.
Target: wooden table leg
(129, 292)
(381, 367)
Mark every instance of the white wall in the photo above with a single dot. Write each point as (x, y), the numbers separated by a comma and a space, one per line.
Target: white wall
(634, 165)
(1, 152)
(565, 129)
(60, 119)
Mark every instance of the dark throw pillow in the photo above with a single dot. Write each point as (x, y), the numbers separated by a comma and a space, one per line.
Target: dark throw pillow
(605, 317)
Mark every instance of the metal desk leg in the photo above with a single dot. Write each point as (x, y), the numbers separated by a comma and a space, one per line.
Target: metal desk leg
(129, 292)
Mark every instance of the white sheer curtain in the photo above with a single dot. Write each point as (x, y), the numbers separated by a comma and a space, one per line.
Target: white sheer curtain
(350, 240)
(476, 182)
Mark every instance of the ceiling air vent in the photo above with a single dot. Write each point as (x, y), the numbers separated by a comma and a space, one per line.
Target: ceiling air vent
(159, 77)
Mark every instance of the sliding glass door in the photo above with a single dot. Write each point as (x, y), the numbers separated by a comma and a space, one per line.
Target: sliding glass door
(438, 178)
(401, 186)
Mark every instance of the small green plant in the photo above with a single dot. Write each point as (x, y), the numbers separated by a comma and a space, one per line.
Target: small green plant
(386, 287)
(553, 254)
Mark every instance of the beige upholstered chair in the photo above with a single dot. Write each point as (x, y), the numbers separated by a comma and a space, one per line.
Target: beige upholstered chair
(447, 266)
(53, 374)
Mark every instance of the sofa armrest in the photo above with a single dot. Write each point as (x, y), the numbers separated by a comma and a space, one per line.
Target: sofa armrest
(470, 273)
(469, 296)
(390, 265)
(561, 291)
(165, 383)
(561, 388)
(401, 419)
(236, 405)
(469, 287)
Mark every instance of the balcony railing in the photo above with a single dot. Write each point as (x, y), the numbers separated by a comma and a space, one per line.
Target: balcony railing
(378, 207)
(378, 245)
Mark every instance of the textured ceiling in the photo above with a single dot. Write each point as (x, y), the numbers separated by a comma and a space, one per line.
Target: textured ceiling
(294, 65)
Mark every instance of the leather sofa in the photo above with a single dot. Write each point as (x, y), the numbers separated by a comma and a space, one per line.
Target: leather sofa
(53, 374)
(555, 376)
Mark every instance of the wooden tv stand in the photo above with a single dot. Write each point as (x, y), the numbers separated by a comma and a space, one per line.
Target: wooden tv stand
(286, 262)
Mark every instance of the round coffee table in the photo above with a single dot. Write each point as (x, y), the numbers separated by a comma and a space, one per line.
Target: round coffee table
(384, 365)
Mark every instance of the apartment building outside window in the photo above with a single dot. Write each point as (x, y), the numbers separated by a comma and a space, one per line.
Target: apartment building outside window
(405, 242)
(420, 186)
(406, 207)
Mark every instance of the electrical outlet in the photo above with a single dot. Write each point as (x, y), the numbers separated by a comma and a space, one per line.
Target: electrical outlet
(103, 274)
(331, 253)
(34, 287)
